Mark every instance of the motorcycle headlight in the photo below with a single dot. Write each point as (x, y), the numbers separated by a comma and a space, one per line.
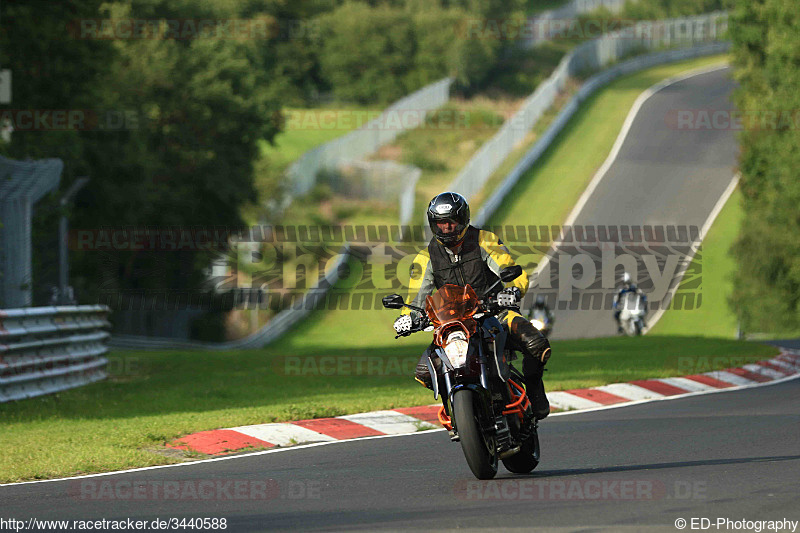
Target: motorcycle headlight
(538, 324)
(456, 348)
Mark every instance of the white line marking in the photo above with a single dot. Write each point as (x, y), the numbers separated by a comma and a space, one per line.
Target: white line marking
(304, 446)
(282, 434)
(703, 232)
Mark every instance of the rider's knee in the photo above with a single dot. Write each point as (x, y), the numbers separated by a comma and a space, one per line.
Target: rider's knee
(531, 340)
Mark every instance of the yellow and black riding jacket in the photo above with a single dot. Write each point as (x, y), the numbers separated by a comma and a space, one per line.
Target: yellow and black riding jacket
(478, 263)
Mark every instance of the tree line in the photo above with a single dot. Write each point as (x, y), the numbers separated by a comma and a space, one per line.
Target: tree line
(170, 117)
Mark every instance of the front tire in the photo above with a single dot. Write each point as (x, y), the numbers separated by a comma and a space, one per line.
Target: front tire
(524, 461)
(480, 452)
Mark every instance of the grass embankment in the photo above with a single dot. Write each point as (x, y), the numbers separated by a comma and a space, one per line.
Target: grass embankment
(156, 397)
(713, 318)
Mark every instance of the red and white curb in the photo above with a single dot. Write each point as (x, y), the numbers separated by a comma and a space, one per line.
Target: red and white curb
(413, 419)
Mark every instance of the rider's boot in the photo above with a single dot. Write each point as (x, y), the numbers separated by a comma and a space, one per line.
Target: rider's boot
(533, 370)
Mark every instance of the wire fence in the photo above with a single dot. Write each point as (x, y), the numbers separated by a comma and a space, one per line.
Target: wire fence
(591, 86)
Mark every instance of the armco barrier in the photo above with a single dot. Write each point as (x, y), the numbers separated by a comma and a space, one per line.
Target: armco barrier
(587, 89)
(50, 349)
(271, 331)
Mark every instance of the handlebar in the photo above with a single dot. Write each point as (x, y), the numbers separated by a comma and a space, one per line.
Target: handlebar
(487, 305)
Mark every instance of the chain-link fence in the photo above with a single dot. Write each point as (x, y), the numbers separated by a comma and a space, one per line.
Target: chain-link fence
(588, 57)
(378, 180)
(22, 184)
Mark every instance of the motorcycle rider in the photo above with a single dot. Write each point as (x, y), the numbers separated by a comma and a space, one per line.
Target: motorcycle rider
(461, 254)
(541, 305)
(628, 286)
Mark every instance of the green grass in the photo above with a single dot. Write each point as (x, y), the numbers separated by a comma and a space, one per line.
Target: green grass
(308, 128)
(713, 318)
(157, 397)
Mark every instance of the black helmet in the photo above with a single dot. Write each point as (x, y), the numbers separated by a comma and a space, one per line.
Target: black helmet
(539, 304)
(449, 206)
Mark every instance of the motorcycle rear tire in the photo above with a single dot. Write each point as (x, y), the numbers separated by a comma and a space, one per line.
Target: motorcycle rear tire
(481, 460)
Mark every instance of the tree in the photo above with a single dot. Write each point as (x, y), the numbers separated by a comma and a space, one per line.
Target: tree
(766, 37)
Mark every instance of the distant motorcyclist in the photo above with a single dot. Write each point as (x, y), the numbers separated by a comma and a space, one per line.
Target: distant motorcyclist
(540, 306)
(461, 254)
(628, 286)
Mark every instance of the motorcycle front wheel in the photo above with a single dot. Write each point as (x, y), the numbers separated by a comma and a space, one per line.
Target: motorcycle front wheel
(480, 450)
(526, 459)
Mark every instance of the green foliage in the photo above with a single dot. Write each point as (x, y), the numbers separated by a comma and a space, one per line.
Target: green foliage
(195, 111)
(519, 71)
(368, 53)
(380, 53)
(766, 37)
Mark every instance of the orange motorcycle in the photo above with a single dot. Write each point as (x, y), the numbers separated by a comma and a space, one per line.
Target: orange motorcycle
(485, 406)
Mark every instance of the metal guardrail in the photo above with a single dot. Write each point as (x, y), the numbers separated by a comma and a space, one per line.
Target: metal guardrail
(49, 349)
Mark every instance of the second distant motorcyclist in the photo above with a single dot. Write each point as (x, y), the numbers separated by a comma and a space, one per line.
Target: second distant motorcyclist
(628, 286)
(540, 306)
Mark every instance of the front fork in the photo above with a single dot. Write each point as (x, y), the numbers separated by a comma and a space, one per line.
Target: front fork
(491, 423)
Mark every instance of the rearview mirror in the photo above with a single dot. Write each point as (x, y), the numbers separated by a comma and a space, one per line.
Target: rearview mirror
(393, 301)
(510, 273)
